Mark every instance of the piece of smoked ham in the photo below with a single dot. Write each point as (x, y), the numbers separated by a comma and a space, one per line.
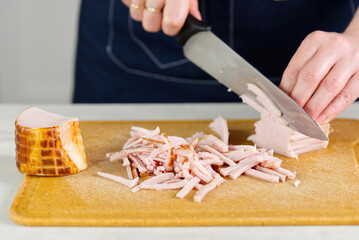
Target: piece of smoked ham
(48, 144)
(272, 131)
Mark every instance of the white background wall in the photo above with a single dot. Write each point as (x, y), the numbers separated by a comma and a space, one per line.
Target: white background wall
(37, 50)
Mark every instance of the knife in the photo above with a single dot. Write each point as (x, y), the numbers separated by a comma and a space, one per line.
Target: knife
(212, 55)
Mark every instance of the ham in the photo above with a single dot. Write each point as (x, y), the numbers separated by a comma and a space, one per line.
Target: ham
(219, 125)
(119, 179)
(272, 131)
(261, 175)
(203, 191)
(198, 163)
(296, 183)
(188, 187)
(48, 144)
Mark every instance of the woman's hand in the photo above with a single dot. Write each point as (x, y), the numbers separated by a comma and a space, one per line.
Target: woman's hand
(166, 15)
(323, 75)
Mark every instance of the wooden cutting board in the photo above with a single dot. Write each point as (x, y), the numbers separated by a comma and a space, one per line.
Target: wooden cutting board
(328, 194)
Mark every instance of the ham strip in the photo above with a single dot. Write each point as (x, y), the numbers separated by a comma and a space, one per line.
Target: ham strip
(188, 187)
(244, 166)
(202, 192)
(261, 175)
(122, 180)
(218, 154)
(281, 176)
(289, 174)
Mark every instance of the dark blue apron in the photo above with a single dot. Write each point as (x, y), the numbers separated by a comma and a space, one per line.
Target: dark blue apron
(117, 61)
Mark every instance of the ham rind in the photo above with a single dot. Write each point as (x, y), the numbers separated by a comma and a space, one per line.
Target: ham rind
(261, 175)
(218, 154)
(219, 125)
(272, 131)
(122, 180)
(281, 176)
(202, 192)
(188, 187)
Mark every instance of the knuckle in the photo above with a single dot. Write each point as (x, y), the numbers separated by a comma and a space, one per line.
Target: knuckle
(356, 54)
(317, 35)
(135, 16)
(339, 40)
(309, 76)
(331, 84)
(290, 73)
(298, 100)
(311, 109)
(149, 27)
(345, 96)
(334, 108)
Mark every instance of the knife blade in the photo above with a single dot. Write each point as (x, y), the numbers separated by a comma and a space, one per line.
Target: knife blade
(212, 55)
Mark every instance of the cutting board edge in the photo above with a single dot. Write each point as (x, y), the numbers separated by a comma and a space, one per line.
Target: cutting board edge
(22, 219)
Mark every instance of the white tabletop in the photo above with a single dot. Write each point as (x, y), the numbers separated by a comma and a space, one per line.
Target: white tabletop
(10, 178)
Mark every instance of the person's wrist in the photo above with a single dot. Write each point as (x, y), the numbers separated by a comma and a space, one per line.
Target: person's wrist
(352, 32)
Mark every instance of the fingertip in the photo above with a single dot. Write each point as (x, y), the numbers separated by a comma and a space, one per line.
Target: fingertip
(194, 11)
(197, 15)
(174, 15)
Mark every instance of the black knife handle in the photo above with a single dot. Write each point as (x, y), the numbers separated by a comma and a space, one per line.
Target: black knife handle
(191, 26)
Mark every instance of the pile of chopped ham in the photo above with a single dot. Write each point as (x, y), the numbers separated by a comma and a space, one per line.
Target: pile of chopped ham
(199, 162)
(272, 130)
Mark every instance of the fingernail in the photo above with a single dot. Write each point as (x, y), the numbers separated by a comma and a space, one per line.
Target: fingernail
(321, 118)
